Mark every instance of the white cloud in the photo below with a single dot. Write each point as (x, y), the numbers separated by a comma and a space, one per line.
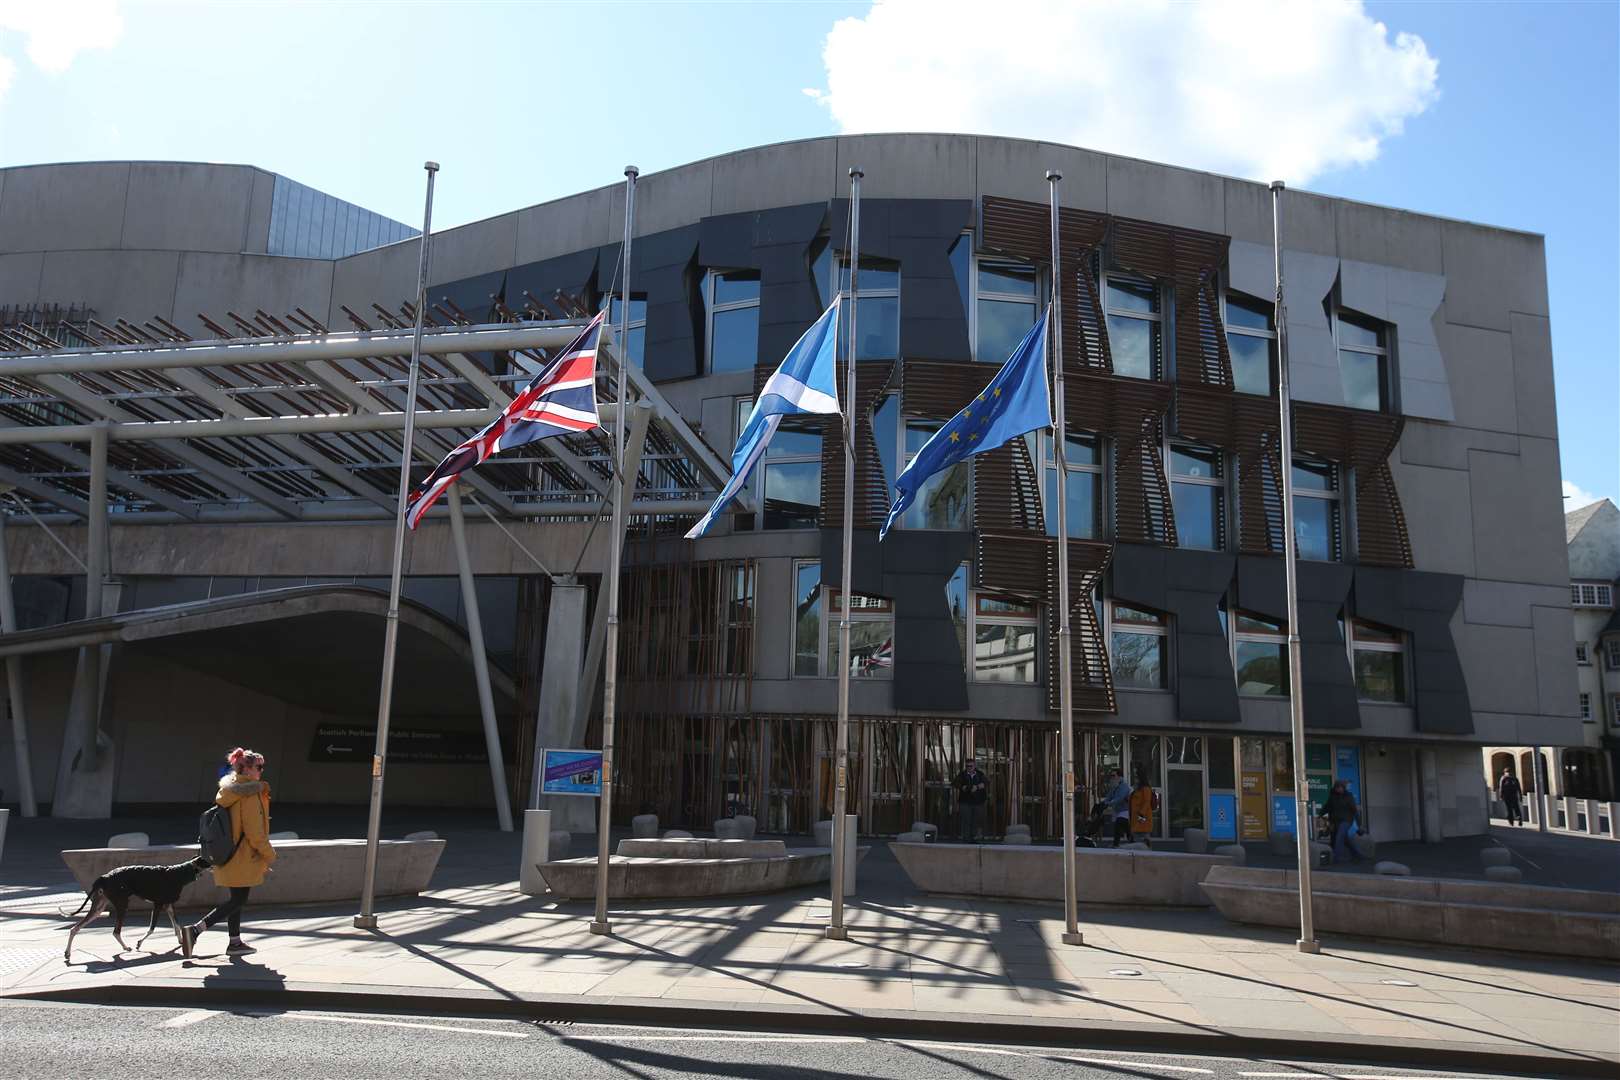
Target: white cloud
(1576, 496)
(54, 32)
(1267, 89)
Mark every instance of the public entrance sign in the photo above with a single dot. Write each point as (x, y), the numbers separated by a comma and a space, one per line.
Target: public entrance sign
(571, 772)
(417, 746)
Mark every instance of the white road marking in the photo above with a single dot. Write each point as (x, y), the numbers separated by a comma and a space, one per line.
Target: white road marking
(958, 1047)
(712, 1038)
(405, 1024)
(1131, 1064)
(186, 1019)
(1319, 1075)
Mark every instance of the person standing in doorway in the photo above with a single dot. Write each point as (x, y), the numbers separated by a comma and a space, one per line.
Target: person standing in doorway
(1509, 791)
(972, 789)
(1341, 811)
(245, 794)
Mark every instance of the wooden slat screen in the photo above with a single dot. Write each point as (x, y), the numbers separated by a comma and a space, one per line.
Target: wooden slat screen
(1093, 679)
(1188, 259)
(1362, 441)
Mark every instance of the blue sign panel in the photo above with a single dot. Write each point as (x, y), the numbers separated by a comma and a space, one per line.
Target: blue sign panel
(1223, 817)
(1347, 767)
(1282, 815)
(572, 772)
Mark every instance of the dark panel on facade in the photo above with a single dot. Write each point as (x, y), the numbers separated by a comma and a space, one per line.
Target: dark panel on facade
(1330, 686)
(1422, 604)
(472, 299)
(777, 243)
(1190, 586)
(538, 283)
(918, 233)
(663, 268)
(911, 568)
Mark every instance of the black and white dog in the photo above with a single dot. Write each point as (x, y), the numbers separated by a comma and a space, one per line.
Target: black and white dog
(159, 885)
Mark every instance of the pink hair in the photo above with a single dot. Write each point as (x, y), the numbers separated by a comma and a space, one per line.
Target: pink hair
(243, 758)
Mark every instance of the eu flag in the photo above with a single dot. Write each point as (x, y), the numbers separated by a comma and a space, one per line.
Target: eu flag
(1015, 402)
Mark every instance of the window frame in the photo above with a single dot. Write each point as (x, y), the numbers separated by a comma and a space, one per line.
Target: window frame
(1236, 635)
(1221, 483)
(614, 300)
(883, 612)
(1336, 495)
(835, 276)
(975, 294)
(1611, 654)
(1157, 318)
(1586, 707)
(1380, 352)
(758, 484)
(1583, 654)
(1046, 464)
(711, 309)
(1399, 647)
(904, 457)
(1161, 630)
(1269, 335)
(1591, 594)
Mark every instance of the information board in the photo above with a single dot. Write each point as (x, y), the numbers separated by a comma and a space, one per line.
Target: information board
(572, 772)
(1282, 815)
(1223, 817)
(416, 746)
(1253, 820)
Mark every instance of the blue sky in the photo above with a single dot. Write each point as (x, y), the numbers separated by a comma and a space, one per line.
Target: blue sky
(1520, 126)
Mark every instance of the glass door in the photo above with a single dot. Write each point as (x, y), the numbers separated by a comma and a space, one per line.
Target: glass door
(1184, 784)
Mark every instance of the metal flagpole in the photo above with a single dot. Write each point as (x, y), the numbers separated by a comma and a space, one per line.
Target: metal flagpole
(610, 656)
(1071, 923)
(836, 929)
(1296, 687)
(366, 920)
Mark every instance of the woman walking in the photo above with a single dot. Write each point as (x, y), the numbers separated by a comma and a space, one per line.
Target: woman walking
(244, 793)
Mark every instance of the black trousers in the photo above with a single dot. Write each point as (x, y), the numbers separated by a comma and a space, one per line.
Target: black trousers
(1122, 830)
(230, 910)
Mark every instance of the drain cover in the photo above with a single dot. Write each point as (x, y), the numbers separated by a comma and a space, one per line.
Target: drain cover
(578, 956)
(849, 964)
(1396, 982)
(1124, 971)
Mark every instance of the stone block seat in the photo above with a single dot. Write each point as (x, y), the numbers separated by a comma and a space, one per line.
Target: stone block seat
(1473, 914)
(644, 825)
(1016, 871)
(692, 867)
(306, 872)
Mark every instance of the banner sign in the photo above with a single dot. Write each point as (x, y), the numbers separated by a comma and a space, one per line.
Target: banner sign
(1223, 817)
(420, 746)
(1253, 818)
(1282, 815)
(571, 772)
(1347, 767)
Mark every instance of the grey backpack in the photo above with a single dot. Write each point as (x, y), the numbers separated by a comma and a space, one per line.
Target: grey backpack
(214, 836)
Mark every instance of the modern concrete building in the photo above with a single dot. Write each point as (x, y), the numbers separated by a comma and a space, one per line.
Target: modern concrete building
(1590, 767)
(1434, 606)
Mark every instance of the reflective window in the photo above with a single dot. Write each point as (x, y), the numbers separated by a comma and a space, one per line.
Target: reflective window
(1198, 493)
(1134, 327)
(636, 342)
(1084, 488)
(1005, 309)
(792, 482)
(1259, 656)
(877, 315)
(1251, 339)
(1005, 639)
(807, 619)
(945, 500)
(871, 636)
(1137, 646)
(731, 301)
(1363, 362)
(1378, 654)
(1318, 518)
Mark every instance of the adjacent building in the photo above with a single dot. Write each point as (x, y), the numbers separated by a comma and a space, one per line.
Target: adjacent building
(1435, 602)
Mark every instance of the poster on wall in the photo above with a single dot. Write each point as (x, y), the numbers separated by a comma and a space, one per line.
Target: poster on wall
(1282, 815)
(1223, 817)
(572, 772)
(1321, 785)
(1253, 821)
(1347, 767)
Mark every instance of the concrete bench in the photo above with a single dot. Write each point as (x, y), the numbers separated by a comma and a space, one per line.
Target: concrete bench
(658, 878)
(305, 871)
(1106, 875)
(701, 848)
(1477, 914)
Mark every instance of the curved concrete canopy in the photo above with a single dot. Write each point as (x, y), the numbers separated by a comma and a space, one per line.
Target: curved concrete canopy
(314, 645)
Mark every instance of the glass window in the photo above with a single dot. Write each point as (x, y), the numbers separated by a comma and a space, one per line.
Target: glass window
(1318, 517)
(871, 636)
(793, 477)
(877, 324)
(1003, 652)
(636, 345)
(1591, 595)
(1083, 463)
(1611, 654)
(1198, 493)
(1251, 339)
(731, 301)
(807, 619)
(1138, 642)
(1586, 707)
(1134, 327)
(1582, 656)
(1260, 656)
(1363, 362)
(945, 500)
(886, 432)
(1004, 309)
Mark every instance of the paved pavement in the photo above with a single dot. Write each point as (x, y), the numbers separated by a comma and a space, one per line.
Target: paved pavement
(1157, 979)
(49, 1040)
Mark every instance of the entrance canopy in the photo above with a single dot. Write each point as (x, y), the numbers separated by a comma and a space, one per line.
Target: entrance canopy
(288, 421)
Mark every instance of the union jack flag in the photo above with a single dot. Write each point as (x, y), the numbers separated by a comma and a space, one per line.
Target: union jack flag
(561, 400)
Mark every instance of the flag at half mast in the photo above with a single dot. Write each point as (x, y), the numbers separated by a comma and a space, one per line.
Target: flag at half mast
(806, 382)
(1016, 401)
(561, 400)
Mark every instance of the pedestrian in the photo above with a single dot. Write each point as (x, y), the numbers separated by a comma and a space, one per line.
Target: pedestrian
(1342, 813)
(972, 789)
(1118, 799)
(1141, 804)
(245, 794)
(1508, 790)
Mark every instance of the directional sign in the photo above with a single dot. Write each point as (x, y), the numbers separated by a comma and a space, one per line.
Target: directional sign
(421, 746)
(572, 772)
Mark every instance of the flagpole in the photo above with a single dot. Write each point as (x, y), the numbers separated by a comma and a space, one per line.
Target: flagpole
(1071, 923)
(610, 658)
(1307, 942)
(367, 919)
(836, 929)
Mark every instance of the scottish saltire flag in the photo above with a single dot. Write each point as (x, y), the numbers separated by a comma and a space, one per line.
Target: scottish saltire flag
(561, 400)
(1015, 402)
(806, 382)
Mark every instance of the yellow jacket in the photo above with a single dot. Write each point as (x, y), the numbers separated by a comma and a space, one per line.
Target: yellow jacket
(249, 804)
(1142, 810)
